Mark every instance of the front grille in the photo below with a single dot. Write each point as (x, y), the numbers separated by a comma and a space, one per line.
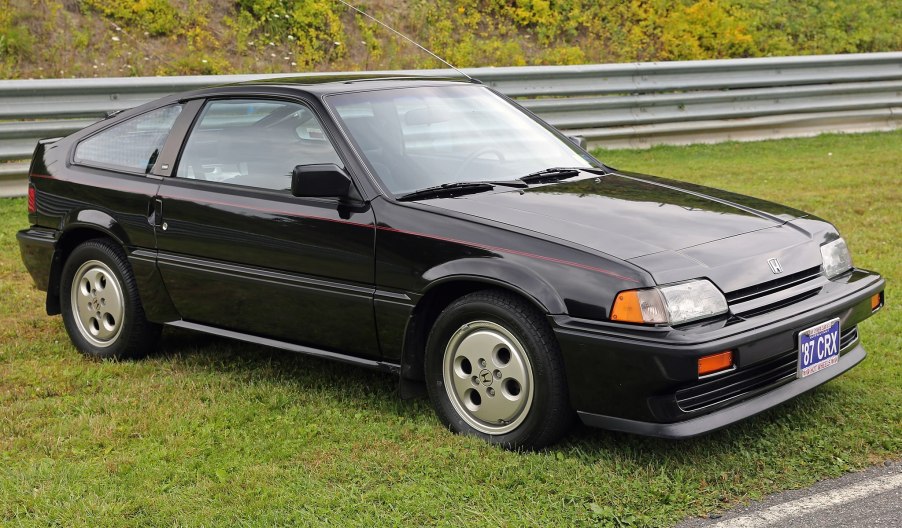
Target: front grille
(770, 307)
(770, 287)
(747, 382)
(775, 294)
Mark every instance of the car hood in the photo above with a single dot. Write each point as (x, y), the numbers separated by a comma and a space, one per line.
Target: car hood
(625, 215)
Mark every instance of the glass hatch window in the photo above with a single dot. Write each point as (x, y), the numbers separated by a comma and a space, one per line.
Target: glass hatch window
(130, 146)
(414, 138)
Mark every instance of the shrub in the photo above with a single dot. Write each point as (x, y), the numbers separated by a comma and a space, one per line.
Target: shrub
(15, 43)
(196, 65)
(311, 28)
(157, 17)
(280, 35)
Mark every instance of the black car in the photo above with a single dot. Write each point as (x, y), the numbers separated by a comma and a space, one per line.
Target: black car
(434, 229)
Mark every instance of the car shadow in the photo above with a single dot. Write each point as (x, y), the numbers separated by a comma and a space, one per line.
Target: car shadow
(245, 361)
(361, 387)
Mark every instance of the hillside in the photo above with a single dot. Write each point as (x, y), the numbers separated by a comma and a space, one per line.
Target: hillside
(85, 38)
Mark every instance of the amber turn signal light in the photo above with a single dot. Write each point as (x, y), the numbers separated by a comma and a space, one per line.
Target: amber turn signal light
(875, 302)
(626, 308)
(715, 362)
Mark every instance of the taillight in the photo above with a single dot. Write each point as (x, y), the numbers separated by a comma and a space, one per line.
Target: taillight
(32, 203)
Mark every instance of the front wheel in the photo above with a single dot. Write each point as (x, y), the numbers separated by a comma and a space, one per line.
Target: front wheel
(101, 309)
(494, 370)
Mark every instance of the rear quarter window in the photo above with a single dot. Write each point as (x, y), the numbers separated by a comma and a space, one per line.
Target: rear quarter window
(130, 146)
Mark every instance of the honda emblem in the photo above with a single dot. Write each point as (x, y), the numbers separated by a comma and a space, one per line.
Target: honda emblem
(775, 266)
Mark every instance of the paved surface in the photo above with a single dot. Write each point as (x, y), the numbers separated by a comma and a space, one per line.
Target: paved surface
(868, 498)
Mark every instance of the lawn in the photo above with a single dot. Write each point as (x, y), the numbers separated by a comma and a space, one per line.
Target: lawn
(211, 432)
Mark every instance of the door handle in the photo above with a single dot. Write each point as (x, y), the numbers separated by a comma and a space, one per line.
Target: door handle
(158, 214)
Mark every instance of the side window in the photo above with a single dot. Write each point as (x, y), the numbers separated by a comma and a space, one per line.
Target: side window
(130, 146)
(254, 143)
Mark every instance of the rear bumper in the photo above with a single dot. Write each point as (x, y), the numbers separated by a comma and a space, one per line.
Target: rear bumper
(645, 380)
(726, 416)
(37, 246)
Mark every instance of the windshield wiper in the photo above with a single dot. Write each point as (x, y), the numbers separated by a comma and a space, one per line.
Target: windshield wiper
(458, 188)
(558, 173)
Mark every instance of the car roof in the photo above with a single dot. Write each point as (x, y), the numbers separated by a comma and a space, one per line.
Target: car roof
(325, 85)
(318, 86)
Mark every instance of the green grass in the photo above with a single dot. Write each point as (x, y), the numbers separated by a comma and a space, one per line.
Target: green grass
(210, 432)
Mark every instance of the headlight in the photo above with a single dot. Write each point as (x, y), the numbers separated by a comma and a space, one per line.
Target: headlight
(836, 256)
(674, 304)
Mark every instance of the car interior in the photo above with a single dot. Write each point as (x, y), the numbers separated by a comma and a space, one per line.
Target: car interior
(261, 153)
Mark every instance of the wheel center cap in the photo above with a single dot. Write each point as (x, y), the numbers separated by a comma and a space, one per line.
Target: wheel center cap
(486, 377)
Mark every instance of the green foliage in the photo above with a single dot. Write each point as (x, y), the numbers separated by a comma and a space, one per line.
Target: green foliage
(243, 25)
(369, 32)
(196, 65)
(302, 35)
(468, 33)
(705, 29)
(81, 39)
(784, 27)
(157, 17)
(15, 42)
(311, 29)
(561, 55)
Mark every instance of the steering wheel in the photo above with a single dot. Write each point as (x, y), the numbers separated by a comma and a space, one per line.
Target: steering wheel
(478, 153)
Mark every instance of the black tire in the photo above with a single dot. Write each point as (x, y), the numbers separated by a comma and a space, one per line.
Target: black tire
(105, 284)
(482, 326)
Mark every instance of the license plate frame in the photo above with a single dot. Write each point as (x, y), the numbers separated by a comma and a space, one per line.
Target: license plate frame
(818, 347)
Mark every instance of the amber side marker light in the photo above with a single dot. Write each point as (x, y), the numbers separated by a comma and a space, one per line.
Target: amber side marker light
(875, 302)
(715, 362)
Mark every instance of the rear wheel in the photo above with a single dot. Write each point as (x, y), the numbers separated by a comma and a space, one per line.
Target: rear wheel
(100, 305)
(494, 370)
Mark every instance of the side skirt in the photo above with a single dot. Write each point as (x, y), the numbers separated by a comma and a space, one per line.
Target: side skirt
(310, 351)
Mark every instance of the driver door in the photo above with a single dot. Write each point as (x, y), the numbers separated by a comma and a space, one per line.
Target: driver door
(238, 252)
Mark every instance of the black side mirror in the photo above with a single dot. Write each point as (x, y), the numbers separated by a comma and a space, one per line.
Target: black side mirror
(579, 140)
(326, 180)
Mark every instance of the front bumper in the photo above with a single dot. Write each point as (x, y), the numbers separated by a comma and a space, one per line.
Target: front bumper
(728, 415)
(635, 379)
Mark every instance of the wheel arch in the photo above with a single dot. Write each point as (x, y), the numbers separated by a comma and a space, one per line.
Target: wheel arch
(460, 280)
(88, 226)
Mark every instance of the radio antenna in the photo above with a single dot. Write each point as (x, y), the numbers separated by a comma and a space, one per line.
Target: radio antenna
(405, 37)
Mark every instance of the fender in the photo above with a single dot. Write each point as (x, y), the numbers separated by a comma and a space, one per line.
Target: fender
(97, 221)
(84, 224)
(466, 272)
(502, 273)
(77, 226)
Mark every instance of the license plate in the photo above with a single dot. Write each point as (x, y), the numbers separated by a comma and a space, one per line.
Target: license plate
(818, 348)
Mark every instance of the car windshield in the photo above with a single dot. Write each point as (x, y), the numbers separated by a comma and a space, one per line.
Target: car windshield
(414, 138)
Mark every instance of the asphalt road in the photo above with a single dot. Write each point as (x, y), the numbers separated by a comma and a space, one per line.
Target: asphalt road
(870, 498)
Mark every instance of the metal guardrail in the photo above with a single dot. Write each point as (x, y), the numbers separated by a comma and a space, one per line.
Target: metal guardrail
(611, 105)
